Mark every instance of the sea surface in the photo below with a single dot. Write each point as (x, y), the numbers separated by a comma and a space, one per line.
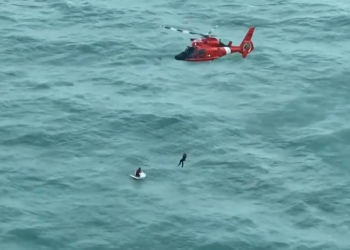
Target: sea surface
(90, 91)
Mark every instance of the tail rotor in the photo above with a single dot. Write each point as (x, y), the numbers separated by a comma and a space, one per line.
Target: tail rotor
(247, 45)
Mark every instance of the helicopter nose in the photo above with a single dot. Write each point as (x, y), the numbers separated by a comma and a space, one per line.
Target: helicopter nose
(180, 57)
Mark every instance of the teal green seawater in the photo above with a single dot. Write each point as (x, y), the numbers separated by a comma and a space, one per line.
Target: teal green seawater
(90, 91)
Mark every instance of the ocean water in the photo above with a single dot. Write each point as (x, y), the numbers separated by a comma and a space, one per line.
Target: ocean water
(90, 91)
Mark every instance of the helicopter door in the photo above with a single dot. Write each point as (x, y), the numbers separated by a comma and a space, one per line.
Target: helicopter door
(201, 53)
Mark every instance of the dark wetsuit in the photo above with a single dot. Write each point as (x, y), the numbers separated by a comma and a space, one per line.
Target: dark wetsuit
(138, 171)
(182, 160)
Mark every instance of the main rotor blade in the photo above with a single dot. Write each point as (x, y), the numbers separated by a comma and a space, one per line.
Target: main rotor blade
(212, 29)
(184, 31)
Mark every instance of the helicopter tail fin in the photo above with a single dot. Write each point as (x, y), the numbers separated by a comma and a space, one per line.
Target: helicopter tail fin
(247, 45)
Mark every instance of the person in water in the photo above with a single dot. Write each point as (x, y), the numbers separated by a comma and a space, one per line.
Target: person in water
(138, 171)
(182, 160)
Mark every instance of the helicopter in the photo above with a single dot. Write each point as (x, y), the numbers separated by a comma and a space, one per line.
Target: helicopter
(210, 48)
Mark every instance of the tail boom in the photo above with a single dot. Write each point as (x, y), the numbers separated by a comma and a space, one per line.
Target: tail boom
(246, 45)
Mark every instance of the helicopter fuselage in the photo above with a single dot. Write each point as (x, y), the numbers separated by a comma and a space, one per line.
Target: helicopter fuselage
(206, 49)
